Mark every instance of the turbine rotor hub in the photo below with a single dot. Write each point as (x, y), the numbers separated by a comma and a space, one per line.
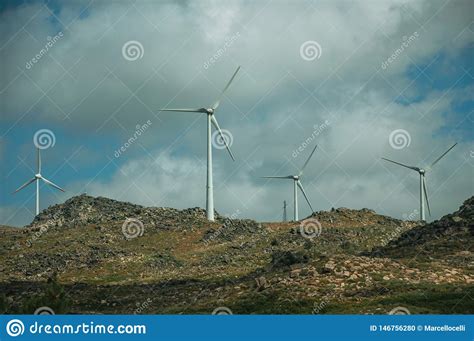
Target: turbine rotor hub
(296, 177)
(422, 171)
(210, 111)
(38, 176)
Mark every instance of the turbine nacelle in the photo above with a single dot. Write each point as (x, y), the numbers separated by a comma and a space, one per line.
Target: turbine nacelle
(211, 121)
(37, 178)
(297, 184)
(422, 172)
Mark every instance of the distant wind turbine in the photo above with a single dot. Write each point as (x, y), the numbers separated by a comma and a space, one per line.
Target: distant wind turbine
(423, 190)
(37, 178)
(284, 211)
(296, 183)
(211, 119)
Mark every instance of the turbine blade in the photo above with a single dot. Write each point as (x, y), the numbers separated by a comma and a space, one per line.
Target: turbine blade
(216, 104)
(277, 177)
(401, 164)
(214, 122)
(38, 160)
(307, 161)
(202, 110)
(300, 185)
(52, 184)
(426, 196)
(446, 152)
(24, 185)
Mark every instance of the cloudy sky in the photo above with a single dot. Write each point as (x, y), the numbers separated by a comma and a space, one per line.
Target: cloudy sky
(361, 79)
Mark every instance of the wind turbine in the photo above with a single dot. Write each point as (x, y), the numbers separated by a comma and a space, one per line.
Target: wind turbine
(284, 211)
(296, 183)
(37, 178)
(422, 172)
(211, 119)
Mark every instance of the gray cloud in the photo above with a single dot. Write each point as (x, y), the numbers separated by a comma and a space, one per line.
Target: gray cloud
(270, 109)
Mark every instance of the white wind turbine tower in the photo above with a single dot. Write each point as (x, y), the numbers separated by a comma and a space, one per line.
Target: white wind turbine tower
(422, 172)
(296, 183)
(37, 178)
(211, 119)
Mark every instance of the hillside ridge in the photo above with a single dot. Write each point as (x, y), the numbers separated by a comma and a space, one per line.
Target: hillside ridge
(82, 256)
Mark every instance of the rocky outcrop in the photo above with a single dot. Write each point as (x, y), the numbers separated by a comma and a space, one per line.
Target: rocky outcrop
(453, 234)
(87, 210)
(340, 217)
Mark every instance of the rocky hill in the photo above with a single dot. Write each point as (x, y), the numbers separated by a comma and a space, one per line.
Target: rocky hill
(83, 210)
(97, 255)
(343, 217)
(449, 239)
